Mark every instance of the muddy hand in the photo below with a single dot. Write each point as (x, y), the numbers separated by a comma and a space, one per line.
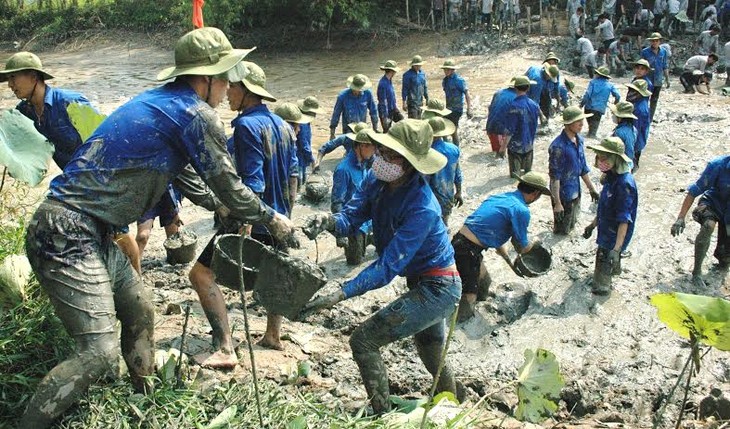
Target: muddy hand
(594, 196)
(678, 227)
(559, 213)
(318, 304)
(588, 231)
(458, 200)
(317, 223)
(281, 227)
(614, 257)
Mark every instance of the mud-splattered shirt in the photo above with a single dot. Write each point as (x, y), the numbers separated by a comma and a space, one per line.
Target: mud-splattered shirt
(454, 89)
(617, 204)
(597, 94)
(626, 131)
(499, 218)
(123, 169)
(55, 125)
(498, 109)
(442, 182)
(658, 61)
(643, 121)
(346, 180)
(714, 186)
(354, 108)
(386, 97)
(409, 236)
(567, 163)
(415, 89)
(521, 123)
(304, 146)
(543, 83)
(341, 140)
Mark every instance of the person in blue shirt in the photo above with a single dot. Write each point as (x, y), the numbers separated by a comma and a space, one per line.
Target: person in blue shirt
(545, 88)
(353, 104)
(345, 141)
(310, 107)
(456, 92)
(346, 181)
(498, 109)
(616, 214)
(596, 97)
(713, 209)
(567, 166)
(387, 105)
(498, 219)
(120, 172)
(414, 91)
(623, 116)
(638, 94)
(641, 72)
(658, 60)
(446, 183)
(521, 126)
(411, 241)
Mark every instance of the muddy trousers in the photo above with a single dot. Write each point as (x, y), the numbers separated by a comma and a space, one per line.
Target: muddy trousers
(653, 101)
(593, 122)
(604, 272)
(519, 163)
(708, 220)
(419, 312)
(91, 285)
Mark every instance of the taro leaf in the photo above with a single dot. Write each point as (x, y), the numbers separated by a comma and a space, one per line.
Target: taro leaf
(223, 419)
(297, 423)
(84, 118)
(449, 396)
(405, 406)
(539, 382)
(23, 150)
(703, 318)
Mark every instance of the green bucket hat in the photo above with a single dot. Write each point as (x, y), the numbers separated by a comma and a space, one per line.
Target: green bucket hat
(362, 137)
(612, 145)
(520, 80)
(417, 60)
(441, 127)
(23, 61)
(623, 109)
(536, 180)
(603, 71)
(640, 86)
(204, 51)
(356, 127)
(551, 56)
(359, 82)
(569, 84)
(654, 36)
(291, 113)
(437, 107)
(643, 63)
(552, 70)
(573, 114)
(390, 65)
(412, 139)
(252, 77)
(450, 64)
(309, 106)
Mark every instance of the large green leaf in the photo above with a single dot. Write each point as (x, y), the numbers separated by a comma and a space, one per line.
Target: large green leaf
(538, 385)
(23, 150)
(84, 118)
(704, 318)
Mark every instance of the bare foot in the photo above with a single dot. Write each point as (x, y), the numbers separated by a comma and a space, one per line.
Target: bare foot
(217, 360)
(271, 343)
(698, 281)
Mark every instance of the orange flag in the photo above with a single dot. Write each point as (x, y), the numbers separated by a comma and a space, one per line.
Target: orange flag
(198, 13)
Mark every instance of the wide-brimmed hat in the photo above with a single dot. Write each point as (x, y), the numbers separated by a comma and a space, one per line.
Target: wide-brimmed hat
(573, 114)
(412, 139)
(654, 36)
(23, 61)
(441, 127)
(640, 86)
(362, 137)
(291, 113)
(536, 180)
(642, 62)
(390, 65)
(604, 71)
(437, 106)
(521, 80)
(569, 84)
(417, 60)
(359, 82)
(552, 70)
(551, 56)
(623, 109)
(356, 127)
(204, 51)
(612, 145)
(309, 105)
(449, 64)
(252, 77)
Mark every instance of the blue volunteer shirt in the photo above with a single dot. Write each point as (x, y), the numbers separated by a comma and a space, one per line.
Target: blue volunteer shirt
(331, 145)
(354, 108)
(643, 121)
(498, 109)
(55, 125)
(542, 83)
(597, 94)
(617, 204)
(346, 180)
(454, 89)
(304, 146)
(386, 97)
(409, 236)
(567, 163)
(443, 181)
(714, 186)
(658, 62)
(264, 149)
(626, 131)
(521, 123)
(414, 90)
(499, 218)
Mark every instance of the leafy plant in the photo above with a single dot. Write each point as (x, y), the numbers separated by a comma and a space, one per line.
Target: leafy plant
(538, 384)
(84, 118)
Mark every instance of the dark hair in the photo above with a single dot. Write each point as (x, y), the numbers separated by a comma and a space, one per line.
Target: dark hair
(715, 27)
(624, 38)
(713, 55)
(522, 87)
(602, 50)
(580, 9)
(526, 188)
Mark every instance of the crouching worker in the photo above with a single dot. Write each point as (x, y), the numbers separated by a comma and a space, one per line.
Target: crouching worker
(411, 241)
(616, 215)
(500, 218)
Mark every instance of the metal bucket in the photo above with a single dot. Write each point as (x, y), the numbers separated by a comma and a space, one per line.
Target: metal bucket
(225, 261)
(534, 263)
(181, 247)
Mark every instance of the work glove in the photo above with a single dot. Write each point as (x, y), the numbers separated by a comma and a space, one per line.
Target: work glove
(341, 241)
(595, 196)
(678, 227)
(614, 257)
(458, 200)
(326, 301)
(317, 223)
(588, 231)
(282, 228)
(332, 134)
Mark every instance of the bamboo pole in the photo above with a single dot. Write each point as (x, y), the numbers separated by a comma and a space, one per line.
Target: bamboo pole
(539, 28)
(529, 21)
(408, 13)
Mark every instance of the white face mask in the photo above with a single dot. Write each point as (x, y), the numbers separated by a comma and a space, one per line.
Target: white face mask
(386, 171)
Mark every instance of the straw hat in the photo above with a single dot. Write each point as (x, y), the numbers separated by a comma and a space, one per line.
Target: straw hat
(640, 86)
(412, 139)
(309, 105)
(417, 60)
(623, 109)
(23, 61)
(450, 64)
(390, 65)
(359, 82)
(441, 127)
(437, 106)
(573, 114)
(291, 113)
(603, 71)
(252, 77)
(612, 145)
(204, 51)
(536, 180)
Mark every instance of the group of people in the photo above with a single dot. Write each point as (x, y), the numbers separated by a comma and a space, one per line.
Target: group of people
(393, 189)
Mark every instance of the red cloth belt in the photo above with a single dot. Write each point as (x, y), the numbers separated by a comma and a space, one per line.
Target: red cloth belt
(439, 272)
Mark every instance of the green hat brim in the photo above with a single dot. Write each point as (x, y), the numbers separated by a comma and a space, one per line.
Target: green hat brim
(449, 129)
(543, 189)
(429, 163)
(644, 93)
(577, 118)
(305, 119)
(367, 85)
(305, 110)
(416, 64)
(606, 75)
(599, 148)
(618, 114)
(223, 65)
(454, 67)
(4, 74)
(258, 90)
(438, 112)
(395, 69)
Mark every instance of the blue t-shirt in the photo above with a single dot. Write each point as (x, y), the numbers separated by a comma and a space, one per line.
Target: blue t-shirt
(617, 204)
(521, 123)
(714, 186)
(597, 94)
(442, 182)
(304, 146)
(658, 61)
(567, 163)
(643, 121)
(454, 89)
(543, 83)
(414, 89)
(626, 131)
(498, 109)
(346, 180)
(386, 97)
(354, 108)
(409, 236)
(499, 218)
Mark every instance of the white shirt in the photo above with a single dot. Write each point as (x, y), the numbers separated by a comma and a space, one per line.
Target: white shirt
(487, 6)
(673, 6)
(605, 30)
(574, 24)
(711, 10)
(683, 5)
(707, 42)
(667, 48)
(609, 7)
(726, 54)
(698, 62)
(659, 7)
(572, 6)
(585, 47)
(709, 22)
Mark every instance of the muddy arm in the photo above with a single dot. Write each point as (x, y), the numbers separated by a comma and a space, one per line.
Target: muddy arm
(193, 188)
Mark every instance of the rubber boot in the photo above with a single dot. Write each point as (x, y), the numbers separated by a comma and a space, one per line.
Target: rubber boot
(702, 244)
(430, 354)
(375, 378)
(485, 281)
